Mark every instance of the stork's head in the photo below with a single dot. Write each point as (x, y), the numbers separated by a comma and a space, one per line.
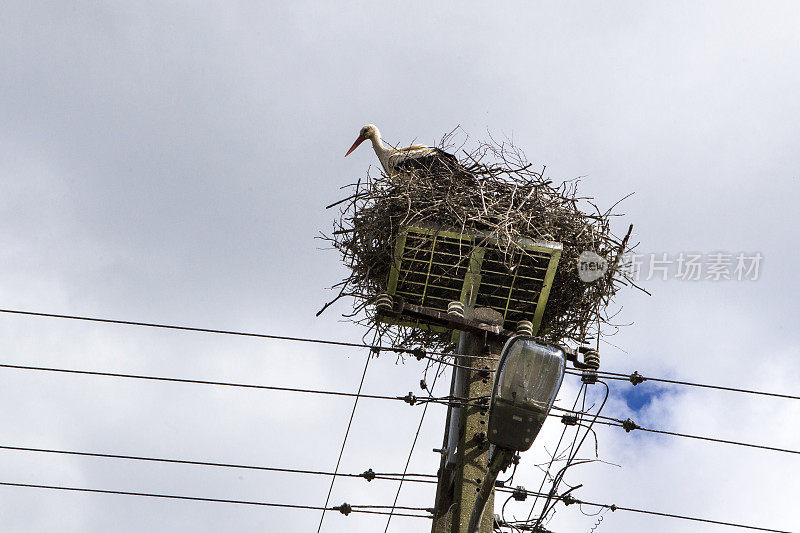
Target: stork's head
(370, 131)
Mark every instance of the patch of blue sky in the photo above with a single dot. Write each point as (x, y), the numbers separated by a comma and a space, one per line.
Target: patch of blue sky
(640, 397)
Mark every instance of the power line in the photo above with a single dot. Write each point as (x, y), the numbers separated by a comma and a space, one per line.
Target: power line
(417, 352)
(344, 441)
(368, 475)
(635, 378)
(629, 425)
(199, 382)
(622, 424)
(412, 351)
(568, 499)
(573, 453)
(199, 330)
(409, 398)
(555, 453)
(376, 348)
(684, 517)
(411, 451)
(344, 508)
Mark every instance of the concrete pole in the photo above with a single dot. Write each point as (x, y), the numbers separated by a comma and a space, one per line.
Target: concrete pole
(460, 482)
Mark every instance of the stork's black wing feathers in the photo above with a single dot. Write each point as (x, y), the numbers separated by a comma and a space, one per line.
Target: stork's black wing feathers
(439, 162)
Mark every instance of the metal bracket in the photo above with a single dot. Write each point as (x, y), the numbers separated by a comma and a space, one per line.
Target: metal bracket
(447, 320)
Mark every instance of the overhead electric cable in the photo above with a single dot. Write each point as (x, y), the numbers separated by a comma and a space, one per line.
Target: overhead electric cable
(368, 475)
(635, 378)
(555, 453)
(409, 399)
(629, 425)
(417, 352)
(371, 509)
(412, 351)
(411, 451)
(568, 499)
(195, 329)
(682, 517)
(198, 381)
(344, 441)
(573, 453)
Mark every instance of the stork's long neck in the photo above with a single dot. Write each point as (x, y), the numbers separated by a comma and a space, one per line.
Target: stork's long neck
(381, 150)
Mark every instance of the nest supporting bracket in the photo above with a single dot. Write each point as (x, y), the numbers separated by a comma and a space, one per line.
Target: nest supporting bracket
(405, 310)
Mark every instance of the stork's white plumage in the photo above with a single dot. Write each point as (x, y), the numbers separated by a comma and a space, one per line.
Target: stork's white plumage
(395, 161)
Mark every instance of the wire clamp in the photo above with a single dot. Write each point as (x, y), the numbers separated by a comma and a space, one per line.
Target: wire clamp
(520, 494)
(409, 398)
(637, 378)
(569, 420)
(589, 377)
(419, 353)
(568, 499)
(369, 475)
(345, 509)
(629, 425)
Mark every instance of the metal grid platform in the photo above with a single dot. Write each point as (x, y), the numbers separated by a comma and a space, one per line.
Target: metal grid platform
(433, 267)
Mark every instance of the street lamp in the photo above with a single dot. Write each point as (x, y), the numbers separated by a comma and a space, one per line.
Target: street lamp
(528, 378)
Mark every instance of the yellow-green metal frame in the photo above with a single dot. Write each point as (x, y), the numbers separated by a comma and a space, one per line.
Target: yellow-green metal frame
(478, 242)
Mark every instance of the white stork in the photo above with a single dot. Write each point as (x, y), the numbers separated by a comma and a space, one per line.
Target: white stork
(398, 160)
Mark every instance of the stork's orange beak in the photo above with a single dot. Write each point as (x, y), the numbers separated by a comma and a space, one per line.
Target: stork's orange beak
(360, 140)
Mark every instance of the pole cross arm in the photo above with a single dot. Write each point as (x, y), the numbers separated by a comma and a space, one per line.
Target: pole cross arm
(402, 309)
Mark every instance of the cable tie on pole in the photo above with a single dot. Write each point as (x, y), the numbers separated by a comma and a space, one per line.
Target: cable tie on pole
(482, 401)
(369, 475)
(629, 425)
(345, 509)
(637, 378)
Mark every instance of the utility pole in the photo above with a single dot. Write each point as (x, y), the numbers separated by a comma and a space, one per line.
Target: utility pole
(466, 450)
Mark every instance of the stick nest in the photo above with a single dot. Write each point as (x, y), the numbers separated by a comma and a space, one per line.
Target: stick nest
(496, 191)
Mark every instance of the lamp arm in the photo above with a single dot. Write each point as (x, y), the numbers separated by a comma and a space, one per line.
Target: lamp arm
(501, 458)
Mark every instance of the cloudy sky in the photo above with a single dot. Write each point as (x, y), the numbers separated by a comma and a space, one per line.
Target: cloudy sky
(170, 162)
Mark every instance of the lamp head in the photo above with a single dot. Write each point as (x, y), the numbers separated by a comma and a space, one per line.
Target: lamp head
(526, 383)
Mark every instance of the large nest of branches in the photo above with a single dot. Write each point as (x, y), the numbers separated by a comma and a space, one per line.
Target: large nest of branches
(495, 191)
